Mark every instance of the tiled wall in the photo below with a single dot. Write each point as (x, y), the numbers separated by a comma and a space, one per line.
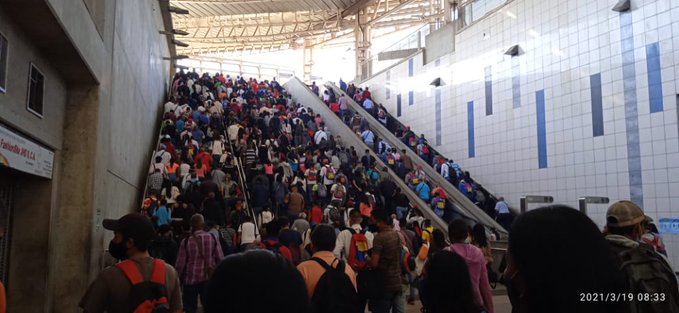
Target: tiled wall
(601, 85)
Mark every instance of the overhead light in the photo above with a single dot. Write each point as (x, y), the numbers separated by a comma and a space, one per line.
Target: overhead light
(513, 50)
(436, 82)
(174, 32)
(622, 6)
(177, 10)
(179, 43)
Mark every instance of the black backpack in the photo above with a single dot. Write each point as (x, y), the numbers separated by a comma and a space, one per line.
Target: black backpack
(334, 292)
(650, 280)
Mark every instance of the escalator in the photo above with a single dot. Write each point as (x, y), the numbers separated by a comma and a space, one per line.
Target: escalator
(303, 95)
(462, 205)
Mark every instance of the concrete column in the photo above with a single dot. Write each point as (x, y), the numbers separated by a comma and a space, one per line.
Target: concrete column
(363, 38)
(29, 261)
(308, 59)
(73, 220)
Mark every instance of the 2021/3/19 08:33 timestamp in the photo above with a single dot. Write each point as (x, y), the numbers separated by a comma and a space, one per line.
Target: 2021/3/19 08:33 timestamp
(621, 297)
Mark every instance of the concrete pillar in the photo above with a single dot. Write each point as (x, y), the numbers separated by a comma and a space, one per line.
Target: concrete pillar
(447, 12)
(74, 220)
(29, 253)
(308, 59)
(363, 38)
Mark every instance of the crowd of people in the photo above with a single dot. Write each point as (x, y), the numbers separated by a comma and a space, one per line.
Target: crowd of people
(255, 206)
(401, 162)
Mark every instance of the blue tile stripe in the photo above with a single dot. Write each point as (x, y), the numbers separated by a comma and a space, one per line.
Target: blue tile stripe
(388, 85)
(631, 111)
(470, 128)
(516, 83)
(597, 105)
(411, 72)
(398, 105)
(489, 90)
(654, 77)
(542, 128)
(438, 116)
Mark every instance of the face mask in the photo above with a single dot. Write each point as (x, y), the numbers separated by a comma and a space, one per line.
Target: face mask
(468, 240)
(118, 250)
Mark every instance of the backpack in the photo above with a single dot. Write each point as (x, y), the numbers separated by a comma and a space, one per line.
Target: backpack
(408, 263)
(273, 246)
(331, 173)
(358, 253)
(648, 274)
(146, 296)
(312, 175)
(412, 141)
(390, 159)
(339, 192)
(333, 214)
(334, 291)
(322, 190)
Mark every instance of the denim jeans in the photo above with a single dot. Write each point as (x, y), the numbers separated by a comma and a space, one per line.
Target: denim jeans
(190, 297)
(391, 302)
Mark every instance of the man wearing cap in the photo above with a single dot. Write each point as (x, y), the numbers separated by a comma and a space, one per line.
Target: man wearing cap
(640, 262)
(110, 291)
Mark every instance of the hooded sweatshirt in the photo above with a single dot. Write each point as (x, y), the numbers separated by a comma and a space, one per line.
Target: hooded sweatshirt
(478, 273)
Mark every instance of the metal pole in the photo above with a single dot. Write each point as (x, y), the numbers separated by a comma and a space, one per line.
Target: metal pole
(523, 205)
(582, 205)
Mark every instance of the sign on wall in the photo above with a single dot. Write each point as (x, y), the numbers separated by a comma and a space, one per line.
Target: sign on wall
(22, 154)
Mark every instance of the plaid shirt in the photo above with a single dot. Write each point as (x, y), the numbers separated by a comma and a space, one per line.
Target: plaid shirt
(191, 264)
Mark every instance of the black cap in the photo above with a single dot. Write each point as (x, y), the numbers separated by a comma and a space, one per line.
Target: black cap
(133, 225)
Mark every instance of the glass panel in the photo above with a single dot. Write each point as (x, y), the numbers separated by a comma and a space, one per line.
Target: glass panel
(3, 63)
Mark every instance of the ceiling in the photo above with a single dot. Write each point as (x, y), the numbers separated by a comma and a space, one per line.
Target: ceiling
(219, 26)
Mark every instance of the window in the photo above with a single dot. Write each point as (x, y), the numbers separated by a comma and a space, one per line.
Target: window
(3, 63)
(36, 90)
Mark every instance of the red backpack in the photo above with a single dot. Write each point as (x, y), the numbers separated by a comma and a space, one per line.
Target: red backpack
(358, 253)
(146, 296)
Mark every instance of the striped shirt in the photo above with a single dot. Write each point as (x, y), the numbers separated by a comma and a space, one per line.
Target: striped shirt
(191, 263)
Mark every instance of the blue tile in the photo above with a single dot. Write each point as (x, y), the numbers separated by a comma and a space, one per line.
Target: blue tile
(489, 90)
(438, 116)
(411, 68)
(516, 83)
(398, 105)
(411, 97)
(654, 77)
(388, 85)
(631, 109)
(597, 105)
(470, 128)
(542, 128)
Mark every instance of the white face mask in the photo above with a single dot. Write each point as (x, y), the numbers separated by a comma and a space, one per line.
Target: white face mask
(468, 240)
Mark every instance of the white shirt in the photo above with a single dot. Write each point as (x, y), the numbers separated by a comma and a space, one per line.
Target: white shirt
(184, 169)
(217, 147)
(248, 233)
(233, 132)
(170, 106)
(343, 242)
(320, 135)
(445, 170)
(164, 155)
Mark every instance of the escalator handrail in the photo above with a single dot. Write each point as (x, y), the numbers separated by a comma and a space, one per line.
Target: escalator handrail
(242, 180)
(319, 107)
(454, 195)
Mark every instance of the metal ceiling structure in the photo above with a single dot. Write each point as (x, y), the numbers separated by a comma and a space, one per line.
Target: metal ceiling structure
(218, 26)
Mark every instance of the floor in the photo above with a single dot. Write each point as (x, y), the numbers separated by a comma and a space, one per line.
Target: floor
(501, 303)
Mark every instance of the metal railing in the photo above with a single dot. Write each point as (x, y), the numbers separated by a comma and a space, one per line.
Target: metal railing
(465, 208)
